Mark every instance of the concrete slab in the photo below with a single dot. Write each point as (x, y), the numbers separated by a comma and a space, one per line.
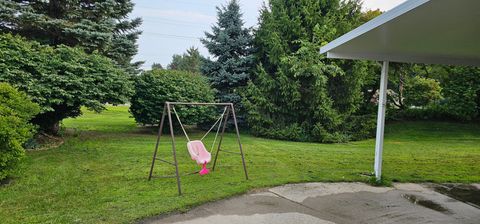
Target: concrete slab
(412, 187)
(282, 218)
(327, 203)
(300, 192)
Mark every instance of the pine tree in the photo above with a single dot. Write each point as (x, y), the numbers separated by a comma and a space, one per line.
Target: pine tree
(95, 25)
(231, 46)
(157, 66)
(189, 61)
(296, 93)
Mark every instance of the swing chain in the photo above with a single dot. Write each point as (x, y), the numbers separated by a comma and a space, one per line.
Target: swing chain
(219, 122)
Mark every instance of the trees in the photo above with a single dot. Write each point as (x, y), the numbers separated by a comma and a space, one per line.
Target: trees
(157, 66)
(190, 61)
(61, 80)
(153, 88)
(369, 15)
(297, 94)
(231, 45)
(409, 86)
(461, 89)
(94, 25)
(16, 110)
(420, 91)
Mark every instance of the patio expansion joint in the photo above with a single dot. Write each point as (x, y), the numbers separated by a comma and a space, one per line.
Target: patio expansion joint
(295, 202)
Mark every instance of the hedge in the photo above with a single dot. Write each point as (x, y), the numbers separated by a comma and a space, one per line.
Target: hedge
(16, 110)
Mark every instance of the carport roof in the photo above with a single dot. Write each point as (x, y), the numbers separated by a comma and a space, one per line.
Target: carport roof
(417, 31)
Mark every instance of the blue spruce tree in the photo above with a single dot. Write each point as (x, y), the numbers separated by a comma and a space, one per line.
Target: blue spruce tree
(231, 46)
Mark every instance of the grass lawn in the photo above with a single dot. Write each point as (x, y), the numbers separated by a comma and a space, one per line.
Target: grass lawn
(99, 175)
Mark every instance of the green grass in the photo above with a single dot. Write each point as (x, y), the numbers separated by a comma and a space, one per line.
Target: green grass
(99, 175)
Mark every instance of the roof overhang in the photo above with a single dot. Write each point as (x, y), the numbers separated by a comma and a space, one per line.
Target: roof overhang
(417, 31)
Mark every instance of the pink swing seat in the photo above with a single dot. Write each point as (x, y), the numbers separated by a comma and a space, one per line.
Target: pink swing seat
(196, 148)
(199, 153)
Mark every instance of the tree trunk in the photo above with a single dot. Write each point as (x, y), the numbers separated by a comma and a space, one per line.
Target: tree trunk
(401, 88)
(49, 123)
(53, 128)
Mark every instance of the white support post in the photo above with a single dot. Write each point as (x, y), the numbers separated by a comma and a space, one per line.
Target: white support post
(382, 102)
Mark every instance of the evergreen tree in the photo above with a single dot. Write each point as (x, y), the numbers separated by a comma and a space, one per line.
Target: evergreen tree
(95, 25)
(190, 61)
(231, 45)
(298, 94)
(61, 79)
(157, 66)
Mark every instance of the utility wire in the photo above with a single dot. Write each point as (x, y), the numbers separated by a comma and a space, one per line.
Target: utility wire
(173, 23)
(172, 35)
(182, 2)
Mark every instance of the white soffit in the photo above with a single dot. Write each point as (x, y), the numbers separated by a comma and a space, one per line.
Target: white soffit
(417, 31)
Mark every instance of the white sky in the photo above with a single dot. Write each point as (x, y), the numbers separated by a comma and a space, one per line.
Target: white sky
(171, 26)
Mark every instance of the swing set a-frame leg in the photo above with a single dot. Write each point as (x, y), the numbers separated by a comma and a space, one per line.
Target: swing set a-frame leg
(166, 110)
(239, 143)
(158, 142)
(174, 149)
(221, 138)
(238, 140)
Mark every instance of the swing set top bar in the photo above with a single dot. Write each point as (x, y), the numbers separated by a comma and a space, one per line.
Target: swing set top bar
(185, 103)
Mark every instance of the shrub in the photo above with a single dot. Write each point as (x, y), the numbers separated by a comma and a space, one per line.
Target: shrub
(461, 90)
(62, 79)
(154, 88)
(15, 112)
(421, 91)
(361, 126)
(431, 112)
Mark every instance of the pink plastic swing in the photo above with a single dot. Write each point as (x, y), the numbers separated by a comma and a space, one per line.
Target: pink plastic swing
(199, 153)
(197, 149)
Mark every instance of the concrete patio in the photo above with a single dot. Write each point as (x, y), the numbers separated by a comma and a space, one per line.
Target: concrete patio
(326, 203)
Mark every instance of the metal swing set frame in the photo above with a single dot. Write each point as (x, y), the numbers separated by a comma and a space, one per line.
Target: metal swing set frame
(167, 111)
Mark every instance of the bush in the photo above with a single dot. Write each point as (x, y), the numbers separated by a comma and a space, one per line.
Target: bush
(61, 79)
(16, 110)
(430, 112)
(154, 88)
(362, 126)
(461, 90)
(421, 91)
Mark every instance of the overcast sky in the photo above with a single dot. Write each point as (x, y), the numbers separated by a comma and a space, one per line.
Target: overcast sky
(171, 26)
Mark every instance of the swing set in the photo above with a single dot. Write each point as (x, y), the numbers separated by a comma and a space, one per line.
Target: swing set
(196, 148)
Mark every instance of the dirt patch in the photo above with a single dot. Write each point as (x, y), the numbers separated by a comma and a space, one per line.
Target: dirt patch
(6, 181)
(44, 142)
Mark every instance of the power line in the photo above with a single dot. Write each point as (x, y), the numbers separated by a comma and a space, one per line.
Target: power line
(184, 2)
(167, 19)
(172, 35)
(172, 22)
(176, 21)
